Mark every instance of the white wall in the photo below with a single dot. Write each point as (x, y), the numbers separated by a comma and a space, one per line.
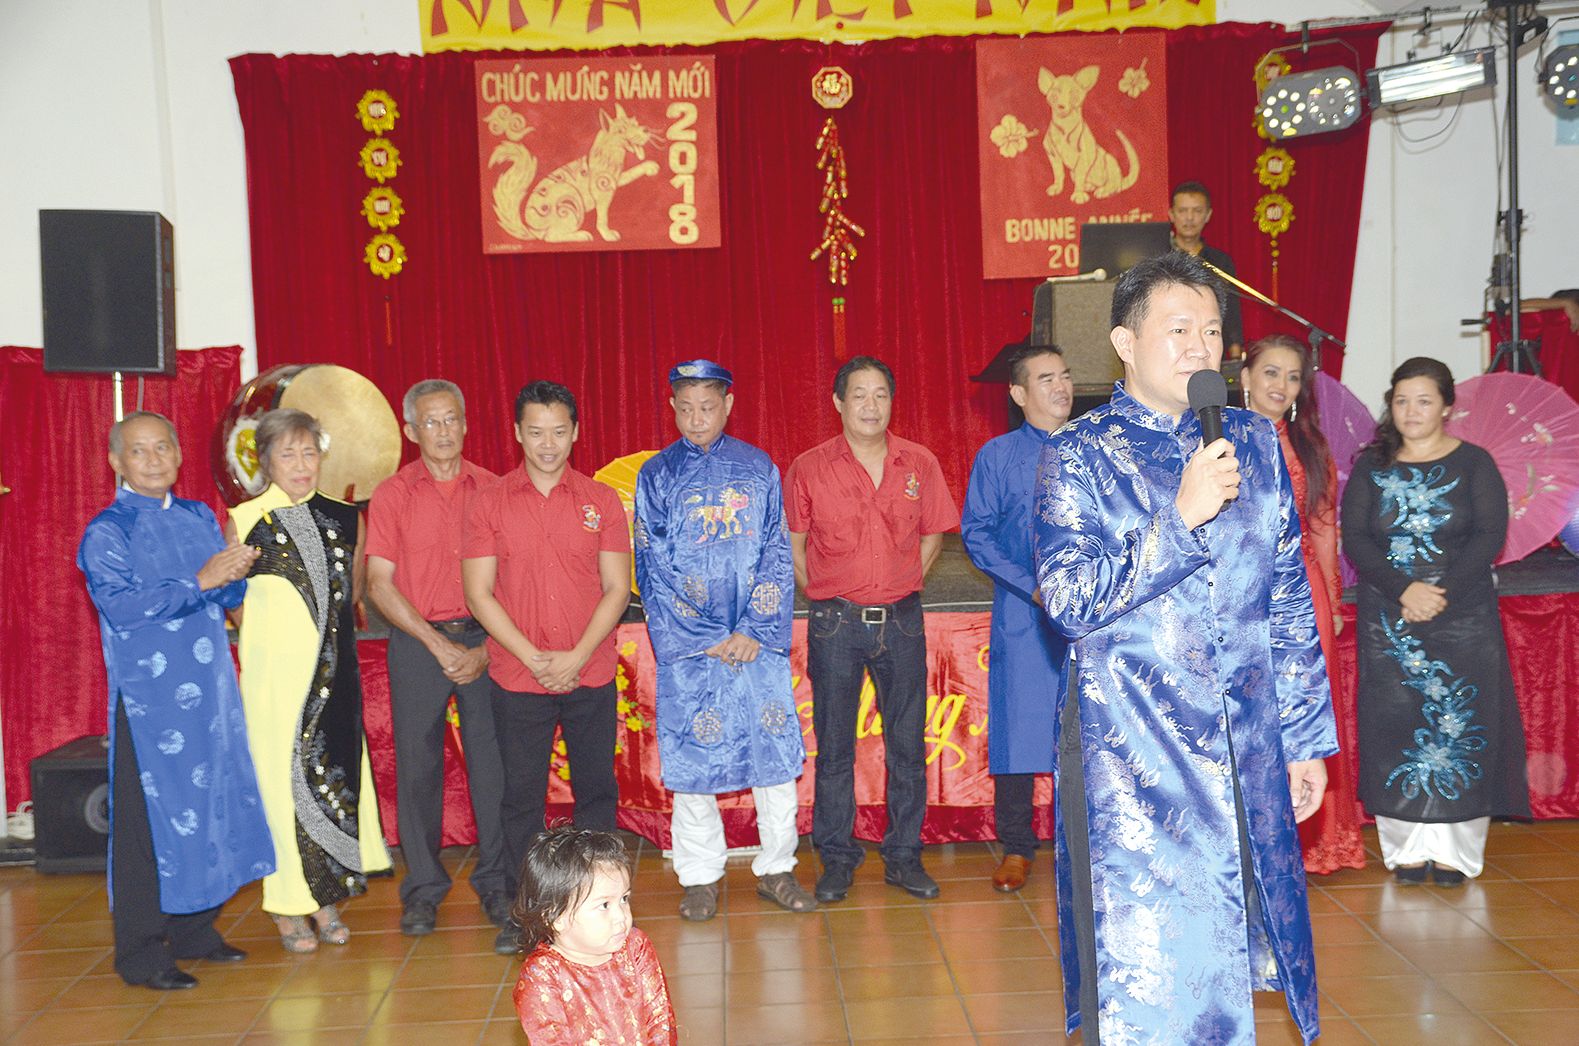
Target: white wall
(130, 105)
(1427, 220)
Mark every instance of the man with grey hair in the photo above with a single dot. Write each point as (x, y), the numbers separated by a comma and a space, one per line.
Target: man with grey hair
(435, 650)
(186, 820)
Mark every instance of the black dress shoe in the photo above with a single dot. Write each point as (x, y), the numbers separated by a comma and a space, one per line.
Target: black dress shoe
(496, 906)
(224, 953)
(834, 883)
(509, 941)
(418, 918)
(913, 879)
(170, 980)
(1445, 876)
(1410, 876)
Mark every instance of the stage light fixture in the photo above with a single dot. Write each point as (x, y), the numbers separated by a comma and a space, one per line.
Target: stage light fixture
(1297, 105)
(1431, 77)
(1559, 75)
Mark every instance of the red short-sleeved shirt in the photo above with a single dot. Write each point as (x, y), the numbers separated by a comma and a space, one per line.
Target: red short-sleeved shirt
(548, 580)
(417, 524)
(861, 544)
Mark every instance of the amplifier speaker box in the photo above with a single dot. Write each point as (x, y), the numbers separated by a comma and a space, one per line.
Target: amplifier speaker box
(71, 806)
(1074, 316)
(109, 291)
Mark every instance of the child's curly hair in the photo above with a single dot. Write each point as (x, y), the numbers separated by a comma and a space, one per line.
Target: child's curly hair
(557, 874)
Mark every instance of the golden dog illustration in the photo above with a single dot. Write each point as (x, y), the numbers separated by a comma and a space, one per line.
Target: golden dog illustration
(723, 519)
(559, 203)
(1093, 171)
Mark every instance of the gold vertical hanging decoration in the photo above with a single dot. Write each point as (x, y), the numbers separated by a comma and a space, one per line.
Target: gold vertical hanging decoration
(832, 88)
(384, 254)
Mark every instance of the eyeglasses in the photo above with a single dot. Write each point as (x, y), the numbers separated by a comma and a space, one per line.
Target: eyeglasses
(449, 421)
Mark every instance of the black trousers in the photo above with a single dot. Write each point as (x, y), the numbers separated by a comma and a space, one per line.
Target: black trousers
(843, 647)
(148, 941)
(1012, 809)
(525, 725)
(418, 695)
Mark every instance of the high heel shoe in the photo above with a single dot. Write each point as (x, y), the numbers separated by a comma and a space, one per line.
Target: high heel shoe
(330, 929)
(296, 936)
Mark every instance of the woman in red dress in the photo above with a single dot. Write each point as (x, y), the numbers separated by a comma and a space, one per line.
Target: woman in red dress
(1278, 383)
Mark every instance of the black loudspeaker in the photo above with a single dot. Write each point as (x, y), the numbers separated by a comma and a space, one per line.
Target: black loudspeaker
(71, 807)
(109, 291)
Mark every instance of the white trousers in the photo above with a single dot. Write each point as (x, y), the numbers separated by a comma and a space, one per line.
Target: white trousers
(1460, 845)
(698, 834)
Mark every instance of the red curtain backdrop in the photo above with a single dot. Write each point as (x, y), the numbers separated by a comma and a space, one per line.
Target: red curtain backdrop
(53, 456)
(1558, 351)
(610, 325)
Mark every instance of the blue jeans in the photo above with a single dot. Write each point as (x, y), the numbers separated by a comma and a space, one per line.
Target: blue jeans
(845, 641)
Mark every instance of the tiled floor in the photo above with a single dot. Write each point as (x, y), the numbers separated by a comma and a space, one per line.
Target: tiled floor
(1494, 962)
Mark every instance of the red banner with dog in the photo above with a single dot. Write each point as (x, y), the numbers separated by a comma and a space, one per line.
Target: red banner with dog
(597, 154)
(1070, 129)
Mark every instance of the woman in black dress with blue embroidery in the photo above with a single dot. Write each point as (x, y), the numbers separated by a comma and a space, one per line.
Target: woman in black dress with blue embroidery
(1441, 741)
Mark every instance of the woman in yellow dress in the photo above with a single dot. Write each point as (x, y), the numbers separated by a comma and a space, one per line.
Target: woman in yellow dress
(301, 687)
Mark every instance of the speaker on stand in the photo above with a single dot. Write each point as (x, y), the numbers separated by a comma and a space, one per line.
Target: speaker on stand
(108, 293)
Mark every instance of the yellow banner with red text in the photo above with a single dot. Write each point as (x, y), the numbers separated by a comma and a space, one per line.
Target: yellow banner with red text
(539, 25)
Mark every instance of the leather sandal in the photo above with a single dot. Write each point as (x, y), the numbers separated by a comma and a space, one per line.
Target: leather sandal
(296, 934)
(330, 929)
(782, 889)
(700, 903)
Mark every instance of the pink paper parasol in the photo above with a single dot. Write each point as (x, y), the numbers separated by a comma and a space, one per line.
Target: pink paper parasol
(1531, 429)
(1348, 426)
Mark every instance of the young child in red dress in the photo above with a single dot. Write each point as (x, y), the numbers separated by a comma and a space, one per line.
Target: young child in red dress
(589, 976)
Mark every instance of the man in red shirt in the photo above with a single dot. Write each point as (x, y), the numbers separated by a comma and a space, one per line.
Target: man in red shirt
(866, 513)
(435, 649)
(546, 565)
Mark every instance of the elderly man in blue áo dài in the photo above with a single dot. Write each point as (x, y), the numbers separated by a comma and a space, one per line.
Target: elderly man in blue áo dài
(1198, 710)
(186, 823)
(1026, 659)
(718, 585)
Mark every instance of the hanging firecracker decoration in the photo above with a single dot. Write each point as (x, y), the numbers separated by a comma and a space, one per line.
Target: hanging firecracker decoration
(832, 88)
(838, 231)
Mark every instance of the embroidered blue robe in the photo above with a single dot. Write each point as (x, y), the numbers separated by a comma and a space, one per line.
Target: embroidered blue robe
(169, 663)
(1199, 675)
(1026, 658)
(712, 558)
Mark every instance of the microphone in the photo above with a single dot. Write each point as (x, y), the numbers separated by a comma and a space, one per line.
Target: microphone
(1208, 396)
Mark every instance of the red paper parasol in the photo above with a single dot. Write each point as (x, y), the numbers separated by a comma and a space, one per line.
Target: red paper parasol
(1531, 429)
(1348, 426)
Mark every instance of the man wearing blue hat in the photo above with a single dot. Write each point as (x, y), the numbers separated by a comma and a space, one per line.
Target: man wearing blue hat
(718, 585)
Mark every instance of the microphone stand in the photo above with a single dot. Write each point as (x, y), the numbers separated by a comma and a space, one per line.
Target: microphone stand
(1313, 334)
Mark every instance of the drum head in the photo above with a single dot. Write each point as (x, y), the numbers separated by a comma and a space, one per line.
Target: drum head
(364, 437)
(363, 434)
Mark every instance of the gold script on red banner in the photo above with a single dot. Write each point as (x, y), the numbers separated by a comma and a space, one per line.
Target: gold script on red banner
(597, 154)
(1070, 129)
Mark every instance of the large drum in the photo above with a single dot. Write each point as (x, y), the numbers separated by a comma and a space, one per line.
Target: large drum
(362, 433)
